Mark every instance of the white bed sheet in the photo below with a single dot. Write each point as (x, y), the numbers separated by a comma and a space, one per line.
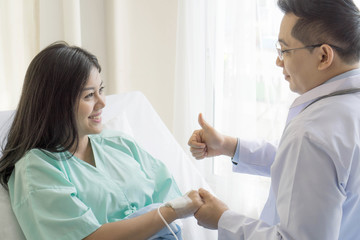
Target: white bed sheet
(133, 114)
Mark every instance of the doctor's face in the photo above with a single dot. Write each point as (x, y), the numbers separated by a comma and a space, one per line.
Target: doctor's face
(299, 65)
(91, 103)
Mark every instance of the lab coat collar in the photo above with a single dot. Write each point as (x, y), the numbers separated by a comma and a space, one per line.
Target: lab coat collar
(347, 80)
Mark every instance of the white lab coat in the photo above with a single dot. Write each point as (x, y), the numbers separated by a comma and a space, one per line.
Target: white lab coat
(315, 171)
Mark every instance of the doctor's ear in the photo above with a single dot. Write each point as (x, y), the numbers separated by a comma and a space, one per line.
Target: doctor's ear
(326, 56)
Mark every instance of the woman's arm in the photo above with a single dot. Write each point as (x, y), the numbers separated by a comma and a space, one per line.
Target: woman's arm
(144, 226)
(141, 227)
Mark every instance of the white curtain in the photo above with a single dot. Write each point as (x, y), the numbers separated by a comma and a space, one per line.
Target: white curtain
(192, 90)
(18, 44)
(226, 69)
(27, 26)
(253, 96)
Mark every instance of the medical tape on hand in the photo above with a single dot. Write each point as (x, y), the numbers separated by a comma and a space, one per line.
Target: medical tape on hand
(180, 205)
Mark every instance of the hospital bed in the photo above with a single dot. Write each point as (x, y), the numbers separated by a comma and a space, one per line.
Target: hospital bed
(132, 114)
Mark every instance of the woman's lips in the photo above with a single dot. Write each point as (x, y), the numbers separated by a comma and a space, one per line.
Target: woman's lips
(96, 117)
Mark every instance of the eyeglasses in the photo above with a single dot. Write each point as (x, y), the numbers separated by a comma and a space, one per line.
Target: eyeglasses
(281, 52)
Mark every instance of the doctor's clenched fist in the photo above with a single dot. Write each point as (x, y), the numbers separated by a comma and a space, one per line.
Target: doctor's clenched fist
(207, 142)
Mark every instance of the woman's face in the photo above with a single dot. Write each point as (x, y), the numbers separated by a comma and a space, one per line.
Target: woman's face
(91, 103)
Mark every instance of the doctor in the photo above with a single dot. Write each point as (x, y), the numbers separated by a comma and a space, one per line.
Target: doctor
(315, 171)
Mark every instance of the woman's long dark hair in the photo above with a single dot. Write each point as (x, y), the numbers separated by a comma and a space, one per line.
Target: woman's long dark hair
(45, 116)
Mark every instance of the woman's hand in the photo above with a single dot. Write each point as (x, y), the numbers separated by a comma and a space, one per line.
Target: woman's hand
(187, 205)
(197, 201)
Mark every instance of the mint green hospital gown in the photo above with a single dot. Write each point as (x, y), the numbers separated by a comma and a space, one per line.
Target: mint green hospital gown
(57, 197)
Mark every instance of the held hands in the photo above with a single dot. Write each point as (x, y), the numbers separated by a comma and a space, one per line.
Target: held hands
(207, 142)
(187, 205)
(209, 213)
(206, 208)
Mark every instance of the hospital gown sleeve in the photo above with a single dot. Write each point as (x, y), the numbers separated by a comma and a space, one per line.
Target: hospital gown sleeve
(45, 202)
(309, 196)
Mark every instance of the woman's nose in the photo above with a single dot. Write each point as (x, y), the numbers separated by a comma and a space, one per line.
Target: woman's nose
(101, 101)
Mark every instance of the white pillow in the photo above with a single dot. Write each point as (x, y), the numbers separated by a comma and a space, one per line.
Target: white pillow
(9, 227)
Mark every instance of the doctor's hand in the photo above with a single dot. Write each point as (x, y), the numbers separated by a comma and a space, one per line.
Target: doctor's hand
(209, 213)
(207, 142)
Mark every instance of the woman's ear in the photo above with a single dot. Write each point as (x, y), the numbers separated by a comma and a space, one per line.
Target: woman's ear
(326, 57)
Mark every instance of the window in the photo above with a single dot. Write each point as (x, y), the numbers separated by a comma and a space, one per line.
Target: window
(226, 69)
(251, 96)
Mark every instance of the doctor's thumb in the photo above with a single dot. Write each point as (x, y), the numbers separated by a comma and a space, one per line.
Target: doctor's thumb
(204, 194)
(204, 125)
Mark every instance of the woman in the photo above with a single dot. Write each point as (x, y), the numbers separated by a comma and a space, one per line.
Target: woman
(66, 177)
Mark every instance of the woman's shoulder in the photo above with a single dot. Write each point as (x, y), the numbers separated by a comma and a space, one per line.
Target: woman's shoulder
(109, 134)
(37, 169)
(39, 159)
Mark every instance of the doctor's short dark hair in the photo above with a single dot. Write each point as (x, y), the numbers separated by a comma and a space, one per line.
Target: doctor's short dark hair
(335, 22)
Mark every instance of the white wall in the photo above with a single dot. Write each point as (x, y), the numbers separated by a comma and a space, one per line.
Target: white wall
(150, 58)
(146, 41)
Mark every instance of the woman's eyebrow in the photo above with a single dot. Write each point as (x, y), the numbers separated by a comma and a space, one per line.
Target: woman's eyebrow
(92, 88)
(88, 88)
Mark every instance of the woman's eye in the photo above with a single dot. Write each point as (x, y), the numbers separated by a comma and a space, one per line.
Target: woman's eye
(101, 90)
(89, 95)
